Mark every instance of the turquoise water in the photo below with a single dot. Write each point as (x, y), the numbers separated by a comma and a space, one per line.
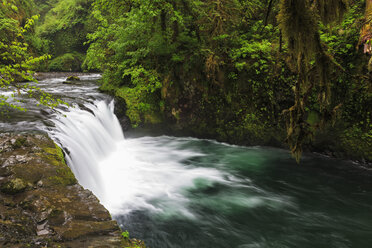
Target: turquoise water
(263, 200)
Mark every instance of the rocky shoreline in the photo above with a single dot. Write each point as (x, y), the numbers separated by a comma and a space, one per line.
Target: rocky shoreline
(41, 202)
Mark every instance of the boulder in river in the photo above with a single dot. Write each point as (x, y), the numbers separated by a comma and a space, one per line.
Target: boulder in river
(71, 80)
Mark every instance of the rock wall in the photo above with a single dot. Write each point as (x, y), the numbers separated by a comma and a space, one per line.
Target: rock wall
(41, 203)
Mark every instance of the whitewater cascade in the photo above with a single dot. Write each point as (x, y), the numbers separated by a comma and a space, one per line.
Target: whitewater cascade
(87, 138)
(125, 174)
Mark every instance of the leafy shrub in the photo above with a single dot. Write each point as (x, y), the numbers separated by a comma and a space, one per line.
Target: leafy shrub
(67, 62)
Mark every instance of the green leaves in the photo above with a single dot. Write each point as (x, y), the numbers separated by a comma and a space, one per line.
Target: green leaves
(30, 22)
(16, 64)
(201, 61)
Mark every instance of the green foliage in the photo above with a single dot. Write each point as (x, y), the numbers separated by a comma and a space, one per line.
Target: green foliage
(62, 33)
(125, 235)
(16, 62)
(142, 97)
(131, 243)
(231, 68)
(67, 62)
(144, 43)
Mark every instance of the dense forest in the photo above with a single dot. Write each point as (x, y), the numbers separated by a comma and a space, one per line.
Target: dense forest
(246, 72)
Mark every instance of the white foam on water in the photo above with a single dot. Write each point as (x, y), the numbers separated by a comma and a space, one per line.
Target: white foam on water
(127, 175)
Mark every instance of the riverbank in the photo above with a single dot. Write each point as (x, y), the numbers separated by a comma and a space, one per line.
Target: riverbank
(41, 202)
(338, 141)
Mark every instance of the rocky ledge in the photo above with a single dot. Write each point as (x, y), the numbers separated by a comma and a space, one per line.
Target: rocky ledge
(41, 203)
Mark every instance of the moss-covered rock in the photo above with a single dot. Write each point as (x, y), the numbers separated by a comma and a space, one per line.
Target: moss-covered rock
(41, 203)
(14, 186)
(137, 110)
(18, 143)
(73, 78)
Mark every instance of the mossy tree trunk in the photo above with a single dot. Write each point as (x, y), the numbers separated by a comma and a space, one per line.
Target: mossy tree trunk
(298, 21)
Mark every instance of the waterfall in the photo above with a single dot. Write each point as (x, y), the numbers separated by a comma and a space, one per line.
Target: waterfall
(128, 174)
(88, 137)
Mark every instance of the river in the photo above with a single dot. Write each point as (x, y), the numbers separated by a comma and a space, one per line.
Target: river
(187, 192)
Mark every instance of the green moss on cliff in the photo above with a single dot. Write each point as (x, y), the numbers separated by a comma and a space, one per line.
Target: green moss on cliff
(142, 105)
(64, 174)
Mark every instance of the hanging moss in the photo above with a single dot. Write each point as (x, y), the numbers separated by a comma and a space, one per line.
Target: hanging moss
(298, 21)
(331, 10)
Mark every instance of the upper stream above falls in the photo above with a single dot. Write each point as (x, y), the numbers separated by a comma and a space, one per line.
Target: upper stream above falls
(186, 192)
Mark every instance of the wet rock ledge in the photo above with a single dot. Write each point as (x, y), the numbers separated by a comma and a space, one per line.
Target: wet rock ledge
(41, 203)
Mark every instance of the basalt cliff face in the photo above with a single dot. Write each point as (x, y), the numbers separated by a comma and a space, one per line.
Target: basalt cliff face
(41, 203)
